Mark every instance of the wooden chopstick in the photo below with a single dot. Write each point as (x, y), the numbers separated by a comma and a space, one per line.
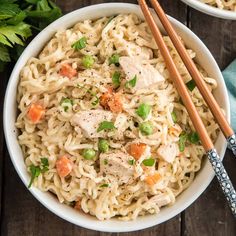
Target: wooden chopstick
(212, 154)
(177, 79)
(193, 71)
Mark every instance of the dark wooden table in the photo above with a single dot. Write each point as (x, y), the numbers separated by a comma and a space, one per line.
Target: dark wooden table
(22, 214)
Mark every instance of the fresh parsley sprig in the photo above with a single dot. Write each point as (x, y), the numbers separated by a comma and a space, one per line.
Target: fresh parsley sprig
(18, 20)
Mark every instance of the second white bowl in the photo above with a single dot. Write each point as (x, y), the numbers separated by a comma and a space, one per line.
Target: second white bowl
(210, 10)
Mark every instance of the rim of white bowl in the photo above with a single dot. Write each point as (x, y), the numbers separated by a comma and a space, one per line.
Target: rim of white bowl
(50, 202)
(210, 10)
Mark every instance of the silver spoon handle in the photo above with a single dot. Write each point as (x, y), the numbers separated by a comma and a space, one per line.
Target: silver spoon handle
(232, 143)
(223, 179)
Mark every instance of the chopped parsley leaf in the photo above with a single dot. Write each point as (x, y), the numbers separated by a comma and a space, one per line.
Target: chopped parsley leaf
(131, 83)
(80, 44)
(174, 116)
(131, 162)
(191, 85)
(116, 79)
(114, 59)
(149, 162)
(106, 125)
(104, 186)
(37, 170)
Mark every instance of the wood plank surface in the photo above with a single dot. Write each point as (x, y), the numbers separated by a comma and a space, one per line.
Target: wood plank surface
(22, 214)
(220, 37)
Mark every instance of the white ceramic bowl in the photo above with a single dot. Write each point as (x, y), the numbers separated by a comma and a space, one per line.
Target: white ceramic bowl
(200, 183)
(210, 10)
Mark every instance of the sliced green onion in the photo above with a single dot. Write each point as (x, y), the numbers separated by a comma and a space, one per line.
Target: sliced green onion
(80, 44)
(143, 110)
(66, 103)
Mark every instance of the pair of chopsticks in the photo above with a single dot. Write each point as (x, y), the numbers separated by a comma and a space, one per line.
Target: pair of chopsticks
(228, 132)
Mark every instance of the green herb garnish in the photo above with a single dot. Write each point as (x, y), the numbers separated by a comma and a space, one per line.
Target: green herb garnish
(80, 44)
(174, 116)
(191, 85)
(149, 162)
(106, 125)
(131, 162)
(193, 138)
(182, 140)
(45, 164)
(131, 83)
(37, 170)
(104, 186)
(17, 18)
(116, 79)
(143, 110)
(114, 59)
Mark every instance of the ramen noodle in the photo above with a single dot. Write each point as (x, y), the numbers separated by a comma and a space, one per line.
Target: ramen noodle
(222, 4)
(101, 124)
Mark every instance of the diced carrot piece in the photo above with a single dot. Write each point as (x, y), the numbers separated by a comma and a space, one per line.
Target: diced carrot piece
(115, 103)
(153, 179)
(111, 101)
(104, 99)
(78, 205)
(64, 166)
(35, 112)
(137, 149)
(67, 71)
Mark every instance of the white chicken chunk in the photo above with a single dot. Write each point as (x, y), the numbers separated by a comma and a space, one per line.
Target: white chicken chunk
(160, 200)
(168, 152)
(116, 164)
(147, 75)
(89, 121)
(121, 124)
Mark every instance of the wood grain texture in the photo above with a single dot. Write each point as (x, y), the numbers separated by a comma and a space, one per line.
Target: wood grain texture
(220, 37)
(22, 214)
